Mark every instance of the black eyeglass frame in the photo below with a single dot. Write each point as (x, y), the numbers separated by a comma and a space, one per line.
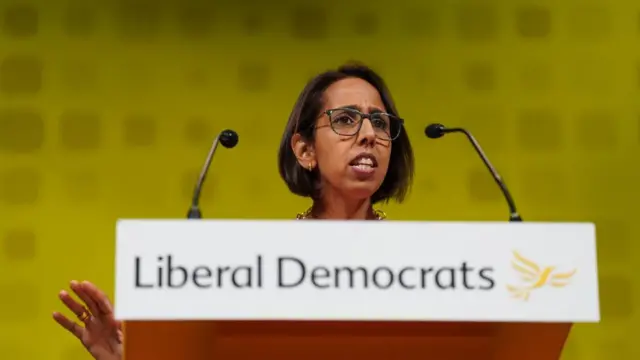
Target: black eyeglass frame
(364, 116)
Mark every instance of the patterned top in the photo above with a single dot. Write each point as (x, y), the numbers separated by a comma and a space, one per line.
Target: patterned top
(379, 214)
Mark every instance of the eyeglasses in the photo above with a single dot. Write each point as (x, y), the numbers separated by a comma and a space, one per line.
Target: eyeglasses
(348, 122)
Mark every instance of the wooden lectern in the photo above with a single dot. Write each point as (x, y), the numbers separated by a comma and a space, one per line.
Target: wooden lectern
(204, 340)
(481, 291)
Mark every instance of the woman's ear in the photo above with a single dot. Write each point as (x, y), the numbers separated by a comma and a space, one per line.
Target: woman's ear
(304, 151)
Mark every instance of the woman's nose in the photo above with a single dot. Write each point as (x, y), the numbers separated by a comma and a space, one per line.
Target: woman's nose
(367, 134)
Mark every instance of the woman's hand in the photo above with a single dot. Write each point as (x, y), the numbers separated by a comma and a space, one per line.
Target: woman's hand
(99, 331)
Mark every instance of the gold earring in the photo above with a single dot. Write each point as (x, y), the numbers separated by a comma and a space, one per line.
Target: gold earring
(310, 166)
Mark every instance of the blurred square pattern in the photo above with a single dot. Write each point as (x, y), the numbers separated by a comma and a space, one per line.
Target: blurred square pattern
(596, 130)
(546, 187)
(421, 22)
(617, 300)
(430, 186)
(81, 186)
(16, 351)
(20, 75)
(480, 76)
(135, 191)
(489, 126)
(610, 187)
(19, 302)
(477, 22)
(21, 131)
(80, 130)
(140, 19)
(196, 19)
(482, 188)
(590, 22)
(620, 347)
(365, 23)
(20, 20)
(253, 77)
(140, 78)
(79, 19)
(188, 182)
(75, 353)
(19, 244)
(533, 21)
(19, 186)
(198, 78)
(615, 244)
(536, 77)
(592, 74)
(310, 22)
(139, 131)
(80, 77)
(571, 349)
(539, 130)
(253, 23)
(198, 132)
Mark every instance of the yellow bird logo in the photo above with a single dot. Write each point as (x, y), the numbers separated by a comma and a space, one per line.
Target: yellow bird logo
(534, 277)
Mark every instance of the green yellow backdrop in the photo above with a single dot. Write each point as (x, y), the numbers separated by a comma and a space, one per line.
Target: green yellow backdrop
(107, 109)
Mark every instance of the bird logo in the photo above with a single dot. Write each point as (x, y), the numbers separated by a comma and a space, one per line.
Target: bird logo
(534, 277)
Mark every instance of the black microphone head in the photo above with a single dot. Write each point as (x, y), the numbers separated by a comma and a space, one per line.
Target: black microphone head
(435, 131)
(228, 138)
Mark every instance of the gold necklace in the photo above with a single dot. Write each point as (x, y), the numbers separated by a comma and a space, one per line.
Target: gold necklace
(379, 214)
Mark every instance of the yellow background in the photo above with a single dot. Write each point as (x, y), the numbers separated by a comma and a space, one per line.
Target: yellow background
(107, 110)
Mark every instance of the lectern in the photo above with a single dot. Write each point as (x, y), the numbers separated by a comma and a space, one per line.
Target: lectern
(216, 289)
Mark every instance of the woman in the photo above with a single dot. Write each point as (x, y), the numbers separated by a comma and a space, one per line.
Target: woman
(328, 153)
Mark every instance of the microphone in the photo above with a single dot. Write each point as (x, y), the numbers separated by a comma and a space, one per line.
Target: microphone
(228, 138)
(435, 131)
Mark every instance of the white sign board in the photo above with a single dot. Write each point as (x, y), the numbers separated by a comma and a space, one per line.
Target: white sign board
(355, 270)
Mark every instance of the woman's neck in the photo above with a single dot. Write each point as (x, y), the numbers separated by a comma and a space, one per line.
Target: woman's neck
(337, 208)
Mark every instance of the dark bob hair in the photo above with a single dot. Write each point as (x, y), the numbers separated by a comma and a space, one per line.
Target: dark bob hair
(300, 181)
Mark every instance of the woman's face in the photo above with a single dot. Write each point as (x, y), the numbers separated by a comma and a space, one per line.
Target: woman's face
(352, 165)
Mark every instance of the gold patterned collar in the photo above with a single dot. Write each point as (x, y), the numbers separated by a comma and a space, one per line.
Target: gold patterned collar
(379, 214)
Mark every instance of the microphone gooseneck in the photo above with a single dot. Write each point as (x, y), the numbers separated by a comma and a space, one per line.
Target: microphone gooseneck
(435, 131)
(229, 139)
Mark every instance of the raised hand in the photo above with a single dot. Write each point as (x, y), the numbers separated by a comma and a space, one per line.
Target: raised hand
(99, 331)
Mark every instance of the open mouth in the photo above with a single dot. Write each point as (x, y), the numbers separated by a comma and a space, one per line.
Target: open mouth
(364, 163)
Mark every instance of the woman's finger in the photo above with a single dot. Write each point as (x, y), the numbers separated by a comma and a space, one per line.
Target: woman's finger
(98, 296)
(102, 302)
(79, 290)
(72, 327)
(73, 305)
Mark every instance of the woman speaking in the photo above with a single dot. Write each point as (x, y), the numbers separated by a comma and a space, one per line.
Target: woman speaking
(328, 153)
